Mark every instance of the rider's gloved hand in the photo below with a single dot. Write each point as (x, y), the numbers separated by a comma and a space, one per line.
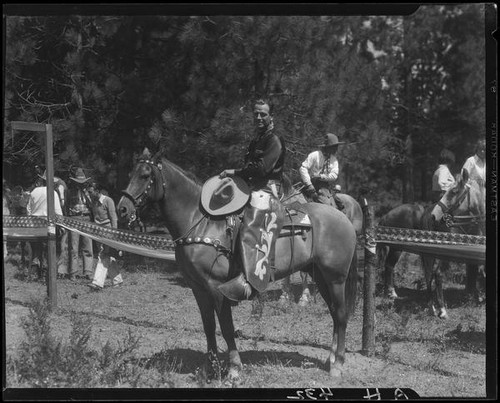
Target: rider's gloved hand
(226, 173)
(311, 193)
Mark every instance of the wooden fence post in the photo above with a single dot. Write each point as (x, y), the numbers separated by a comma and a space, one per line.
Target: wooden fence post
(368, 343)
(51, 227)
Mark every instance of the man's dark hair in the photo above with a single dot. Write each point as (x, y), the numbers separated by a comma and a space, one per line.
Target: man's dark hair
(95, 185)
(262, 101)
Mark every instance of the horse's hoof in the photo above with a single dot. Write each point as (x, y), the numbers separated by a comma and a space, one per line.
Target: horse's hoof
(443, 314)
(335, 372)
(233, 379)
(285, 298)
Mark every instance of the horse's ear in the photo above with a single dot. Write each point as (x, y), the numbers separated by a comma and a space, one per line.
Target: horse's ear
(146, 153)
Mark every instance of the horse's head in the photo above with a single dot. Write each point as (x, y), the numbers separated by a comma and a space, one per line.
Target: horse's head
(464, 198)
(146, 185)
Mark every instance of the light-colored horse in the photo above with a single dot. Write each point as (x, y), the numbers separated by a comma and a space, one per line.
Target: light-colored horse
(204, 248)
(354, 213)
(462, 209)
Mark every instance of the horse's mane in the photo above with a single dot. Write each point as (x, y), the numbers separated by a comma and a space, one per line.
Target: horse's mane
(188, 175)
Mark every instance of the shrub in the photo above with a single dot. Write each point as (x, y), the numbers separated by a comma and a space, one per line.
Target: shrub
(44, 361)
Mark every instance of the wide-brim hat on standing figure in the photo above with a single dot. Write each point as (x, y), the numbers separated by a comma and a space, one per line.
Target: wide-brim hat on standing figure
(224, 196)
(331, 140)
(80, 176)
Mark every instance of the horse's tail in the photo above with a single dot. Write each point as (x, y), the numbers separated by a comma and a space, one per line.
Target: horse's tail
(351, 285)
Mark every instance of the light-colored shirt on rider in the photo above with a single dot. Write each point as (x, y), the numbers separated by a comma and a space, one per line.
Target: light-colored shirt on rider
(476, 168)
(37, 204)
(317, 165)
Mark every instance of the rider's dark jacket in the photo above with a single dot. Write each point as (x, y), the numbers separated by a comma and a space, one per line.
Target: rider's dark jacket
(264, 160)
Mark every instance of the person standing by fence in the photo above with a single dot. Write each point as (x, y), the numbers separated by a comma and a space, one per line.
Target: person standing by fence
(37, 206)
(79, 206)
(442, 179)
(104, 213)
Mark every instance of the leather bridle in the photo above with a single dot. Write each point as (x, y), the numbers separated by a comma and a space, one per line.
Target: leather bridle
(140, 200)
(450, 219)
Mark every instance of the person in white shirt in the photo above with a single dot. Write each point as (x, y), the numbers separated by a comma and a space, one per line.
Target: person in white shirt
(321, 169)
(476, 165)
(442, 179)
(37, 206)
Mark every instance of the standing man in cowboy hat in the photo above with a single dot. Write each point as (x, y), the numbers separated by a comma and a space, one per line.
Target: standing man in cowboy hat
(79, 206)
(319, 170)
(251, 265)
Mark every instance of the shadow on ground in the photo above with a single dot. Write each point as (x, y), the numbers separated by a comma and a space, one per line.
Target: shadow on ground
(187, 361)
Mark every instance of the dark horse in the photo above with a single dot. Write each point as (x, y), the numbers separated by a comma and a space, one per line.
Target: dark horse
(408, 215)
(460, 210)
(204, 259)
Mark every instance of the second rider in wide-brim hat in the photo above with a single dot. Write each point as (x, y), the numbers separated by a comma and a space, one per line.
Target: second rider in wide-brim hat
(331, 140)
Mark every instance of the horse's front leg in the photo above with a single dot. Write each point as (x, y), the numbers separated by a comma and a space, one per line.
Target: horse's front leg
(306, 293)
(471, 289)
(390, 262)
(428, 267)
(441, 310)
(227, 329)
(207, 308)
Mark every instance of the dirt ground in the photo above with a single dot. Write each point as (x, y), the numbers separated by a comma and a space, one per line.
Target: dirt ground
(281, 345)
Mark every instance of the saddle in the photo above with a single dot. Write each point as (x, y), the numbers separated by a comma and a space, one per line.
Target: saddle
(296, 221)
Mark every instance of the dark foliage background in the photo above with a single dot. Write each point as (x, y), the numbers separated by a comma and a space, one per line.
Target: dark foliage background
(396, 89)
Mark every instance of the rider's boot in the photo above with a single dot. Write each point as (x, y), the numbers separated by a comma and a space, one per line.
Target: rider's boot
(237, 289)
(256, 251)
(339, 203)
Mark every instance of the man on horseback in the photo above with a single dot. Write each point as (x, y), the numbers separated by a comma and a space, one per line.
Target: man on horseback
(319, 170)
(263, 214)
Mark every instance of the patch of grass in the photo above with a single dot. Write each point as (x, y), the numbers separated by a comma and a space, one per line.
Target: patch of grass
(44, 361)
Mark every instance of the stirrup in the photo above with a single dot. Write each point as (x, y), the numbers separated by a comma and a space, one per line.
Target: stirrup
(237, 289)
